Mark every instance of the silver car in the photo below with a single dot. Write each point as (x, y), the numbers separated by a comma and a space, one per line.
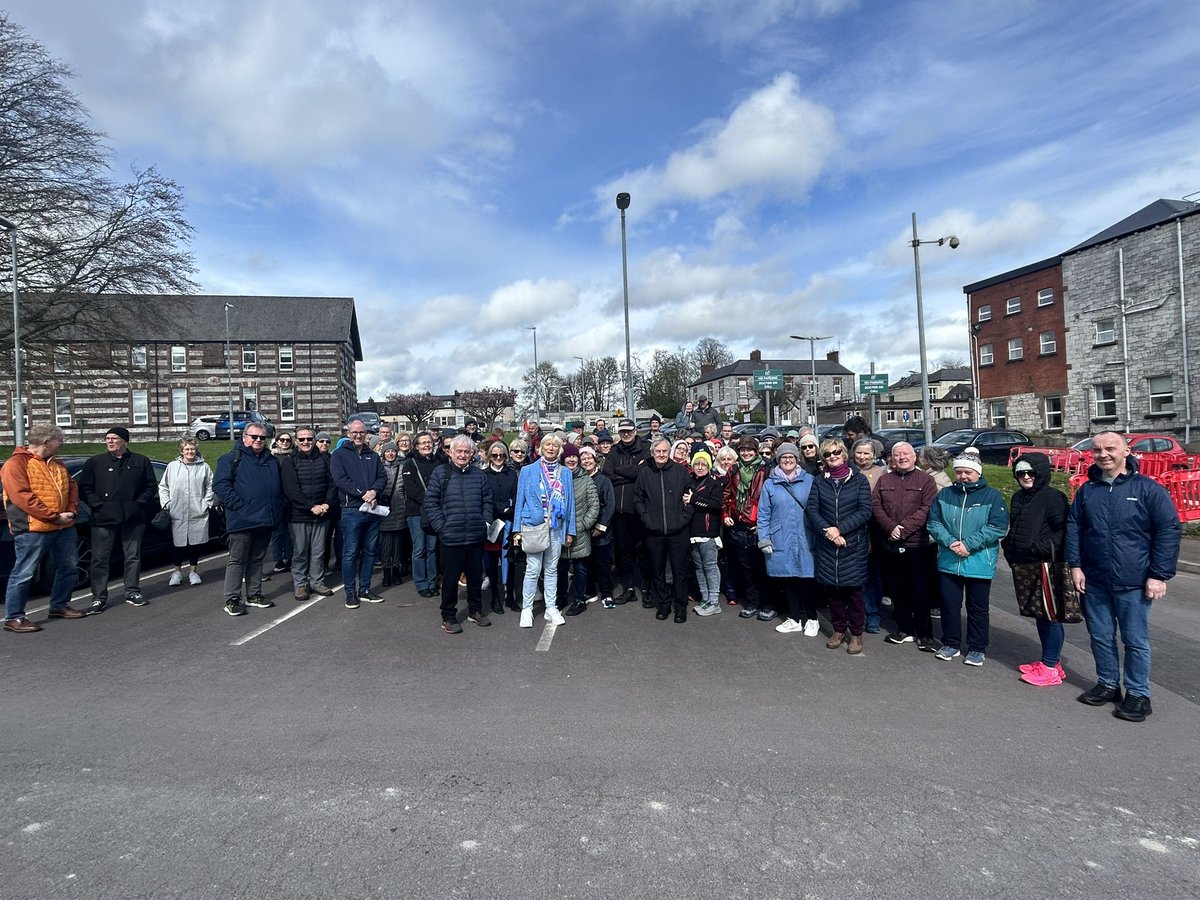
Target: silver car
(203, 427)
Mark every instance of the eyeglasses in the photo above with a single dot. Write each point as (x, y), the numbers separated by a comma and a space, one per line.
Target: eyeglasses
(323, 440)
(352, 433)
(830, 454)
(304, 440)
(517, 452)
(1027, 473)
(285, 440)
(496, 455)
(257, 437)
(812, 447)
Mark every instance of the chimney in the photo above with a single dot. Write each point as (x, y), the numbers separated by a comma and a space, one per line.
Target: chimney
(832, 356)
(755, 356)
(706, 369)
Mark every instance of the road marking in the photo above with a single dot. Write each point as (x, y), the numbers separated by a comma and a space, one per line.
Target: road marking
(543, 643)
(279, 621)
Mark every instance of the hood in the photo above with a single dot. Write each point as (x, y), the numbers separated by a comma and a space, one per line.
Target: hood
(1041, 469)
(962, 488)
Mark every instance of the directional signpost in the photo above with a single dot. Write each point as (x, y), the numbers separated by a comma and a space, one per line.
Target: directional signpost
(768, 380)
(873, 384)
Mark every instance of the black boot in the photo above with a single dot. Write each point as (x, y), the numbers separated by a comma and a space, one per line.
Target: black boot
(387, 576)
(664, 613)
(397, 575)
(497, 606)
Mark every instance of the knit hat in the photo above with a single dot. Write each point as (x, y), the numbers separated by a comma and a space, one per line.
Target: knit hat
(569, 450)
(386, 446)
(589, 450)
(119, 431)
(747, 443)
(968, 462)
(702, 454)
(322, 436)
(785, 448)
(603, 435)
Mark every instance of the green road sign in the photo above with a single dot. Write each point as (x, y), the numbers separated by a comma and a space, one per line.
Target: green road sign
(768, 380)
(873, 384)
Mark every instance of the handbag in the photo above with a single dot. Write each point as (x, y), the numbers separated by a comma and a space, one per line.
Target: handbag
(162, 519)
(535, 538)
(1060, 600)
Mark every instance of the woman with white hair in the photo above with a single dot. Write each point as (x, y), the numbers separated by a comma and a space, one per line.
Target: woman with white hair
(545, 502)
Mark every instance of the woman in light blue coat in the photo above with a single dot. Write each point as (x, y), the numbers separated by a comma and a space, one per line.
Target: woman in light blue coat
(785, 541)
(544, 492)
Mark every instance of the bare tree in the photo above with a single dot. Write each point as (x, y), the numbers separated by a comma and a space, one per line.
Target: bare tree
(951, 362)
(710, 352)
(487, 403)
(415, 407)
(667, 379)
(540, 389)
(86, 242)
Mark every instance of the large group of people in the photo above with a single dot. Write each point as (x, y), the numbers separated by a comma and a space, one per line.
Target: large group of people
(772, 527)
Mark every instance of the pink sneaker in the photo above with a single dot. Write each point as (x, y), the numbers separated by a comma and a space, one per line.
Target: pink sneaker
(1040, 676)
(1031, 667)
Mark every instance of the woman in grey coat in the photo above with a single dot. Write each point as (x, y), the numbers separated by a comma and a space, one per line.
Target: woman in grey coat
(587, 512)
(186, 493)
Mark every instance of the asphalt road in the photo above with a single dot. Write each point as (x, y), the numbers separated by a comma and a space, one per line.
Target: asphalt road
(173, 751)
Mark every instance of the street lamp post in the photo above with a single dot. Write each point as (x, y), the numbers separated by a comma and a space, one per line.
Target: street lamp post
(537, 415)
(18, 402)
(630, 412)
(229, 372)
(812, 355)
(926, 410)
(582, 391)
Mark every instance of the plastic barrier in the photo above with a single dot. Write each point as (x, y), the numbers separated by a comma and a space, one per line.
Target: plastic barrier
(1184, 488)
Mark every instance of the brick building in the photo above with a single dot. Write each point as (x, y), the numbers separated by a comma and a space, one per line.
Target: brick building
(291, 358)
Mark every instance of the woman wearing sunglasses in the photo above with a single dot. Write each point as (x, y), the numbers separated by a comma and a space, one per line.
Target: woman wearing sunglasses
(502, 479)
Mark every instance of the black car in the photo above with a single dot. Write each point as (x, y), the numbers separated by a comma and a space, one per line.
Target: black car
(993, 444)
(913, 436)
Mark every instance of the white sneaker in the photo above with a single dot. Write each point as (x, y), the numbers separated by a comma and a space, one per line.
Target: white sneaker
(176, 579)
(787, 626)
(811, 628)
(707, 609)
(193, 577)
(554, 617)
(527, 618)
(487, 583)
(593, 599)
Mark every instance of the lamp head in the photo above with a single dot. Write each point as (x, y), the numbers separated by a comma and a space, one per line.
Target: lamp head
(622, 200)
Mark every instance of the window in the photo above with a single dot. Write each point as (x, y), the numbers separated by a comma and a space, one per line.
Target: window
(178, 359)
(891, 416)
(1045, 297)
(1106, 331)
(1015, 349)
(721, 390)
(62, 410)
(1012, 306)
(1052, 413)
(933, 392)
(141, 406)
(1162, 395)
(985, 313)
(1047, 343)
(837, 387)
(985, 354)
(249, 359)
(250, 398)
(287, 404)
(179, 414)
(1106, 400)
(137, 357)
(998, 412)
(62, 358)
(287, 359)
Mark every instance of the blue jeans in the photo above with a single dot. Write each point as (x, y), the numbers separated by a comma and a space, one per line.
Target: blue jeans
(1051, 635)
(29, 549)
(977, 591)
(424, 557)
(1105, 608)
(360, 544)
(535, 563)
(873, 591)
(708, 576)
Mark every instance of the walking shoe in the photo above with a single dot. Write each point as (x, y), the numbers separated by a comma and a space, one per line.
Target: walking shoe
(946, 653)
(626, 597)
(135, 598)
(935, 613)
(1040, 676)
(647, 603)
(1133, 708)
(871, 627)
(462, 580)
(1030, 667)
(485, 584)
(554, 617)
(787, 626)
(234, 606)
(302, 593)
(351, 601)
(747, 612)
(67, 612)
(575, 608)
(260, 602)
(98, 606)
(885, 601)
(899, 637)
(974, 658)
(450, 626)
(193, 577)
(176, 579)
(1100, 694)
(766, 615)
(705, 608)
(855, 645)
(835, 640)
(21, 626)
(322, 590)
(812, 628)
(608, 603)
(479, 619)
(593, 598)
(663, 613)
(681, 617)
(527, 618)
(369, 596)
(928, 645)
(280, 566)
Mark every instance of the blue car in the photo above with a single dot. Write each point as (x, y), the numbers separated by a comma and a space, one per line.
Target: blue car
(241, 418)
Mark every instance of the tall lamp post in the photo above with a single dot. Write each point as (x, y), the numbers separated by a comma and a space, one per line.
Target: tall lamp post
(537, 414)
(812, 355)
(926, 410)
(582, 391)
(229, 372)
(630, 412)
(18, 402)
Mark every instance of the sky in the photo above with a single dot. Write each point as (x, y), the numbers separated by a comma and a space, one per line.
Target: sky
(453, 166)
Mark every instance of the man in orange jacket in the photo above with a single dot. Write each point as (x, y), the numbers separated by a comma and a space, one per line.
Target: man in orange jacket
(40, 500)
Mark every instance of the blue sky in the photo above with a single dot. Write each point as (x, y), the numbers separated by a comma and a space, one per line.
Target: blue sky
(452, 166)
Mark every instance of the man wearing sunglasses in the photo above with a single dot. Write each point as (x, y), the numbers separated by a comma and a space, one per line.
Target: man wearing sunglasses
(249, 487)
(357, 471)
(311, 497)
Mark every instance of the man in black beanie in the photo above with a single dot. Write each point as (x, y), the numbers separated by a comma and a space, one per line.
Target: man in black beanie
(118, 487)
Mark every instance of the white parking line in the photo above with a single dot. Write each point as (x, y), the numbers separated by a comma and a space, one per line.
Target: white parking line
(264, 629)
(543, 643)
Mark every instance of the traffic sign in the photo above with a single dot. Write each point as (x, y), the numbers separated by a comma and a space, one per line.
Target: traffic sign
(873, 384)
(906, 415)
(768, 380)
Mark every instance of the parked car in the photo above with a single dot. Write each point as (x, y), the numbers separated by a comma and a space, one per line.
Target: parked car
(749, 429)
(369, 419)
(242, 418)
(203, 427)
(829, 432)
(994, 444)
(914, 436)
(1164, 447)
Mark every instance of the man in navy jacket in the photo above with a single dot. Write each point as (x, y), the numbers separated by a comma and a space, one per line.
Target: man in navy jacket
(357, 472)
(1122, 543)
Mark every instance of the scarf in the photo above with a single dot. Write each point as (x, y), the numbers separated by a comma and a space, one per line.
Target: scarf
(839, 473)
(745, 472)
(554, 503)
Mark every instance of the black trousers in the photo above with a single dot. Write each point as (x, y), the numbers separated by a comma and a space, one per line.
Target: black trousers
(675, 551)
(907, 579)
(457, 560)
(103, 538)
(629, 541)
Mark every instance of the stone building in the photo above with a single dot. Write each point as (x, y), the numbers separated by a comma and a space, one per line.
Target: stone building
(731, 389)
(291, 358)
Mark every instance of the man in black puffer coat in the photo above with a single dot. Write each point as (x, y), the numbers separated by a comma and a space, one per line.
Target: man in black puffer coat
(661, 496)
(311, 498)
(621, 465)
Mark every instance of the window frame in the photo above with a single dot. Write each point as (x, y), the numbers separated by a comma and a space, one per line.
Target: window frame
(287, 411)
(988, 351)
(249, 359)
(178, 418)
(287, 352)
(998, 419)
(1166, 408)
(985, 313)
(1052, 348)
(178, 357)
(1111, 331)
(64, 420)
(136, 394)
(1048, 413)
(1104, 387)
(1019, 349)
(139, 357)
(1012, 305)
(1045, 297)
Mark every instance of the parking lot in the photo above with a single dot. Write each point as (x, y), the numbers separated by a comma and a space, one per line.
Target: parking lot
(313, 751)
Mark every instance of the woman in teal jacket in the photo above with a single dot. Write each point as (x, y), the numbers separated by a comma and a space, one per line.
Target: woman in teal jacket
(967, 521)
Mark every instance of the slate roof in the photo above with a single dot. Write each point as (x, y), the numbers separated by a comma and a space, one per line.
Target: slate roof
(789, 367)
(955, 374)
(1013, 273)
(1156, 213)
(200, 318)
